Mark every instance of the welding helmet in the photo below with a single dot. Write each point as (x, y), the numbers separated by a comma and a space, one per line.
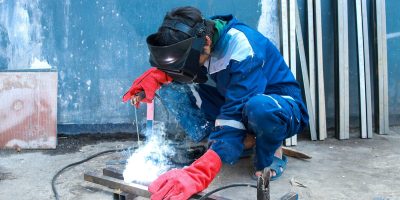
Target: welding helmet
(180, 60)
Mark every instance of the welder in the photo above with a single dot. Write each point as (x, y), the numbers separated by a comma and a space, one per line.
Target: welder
(224, 82)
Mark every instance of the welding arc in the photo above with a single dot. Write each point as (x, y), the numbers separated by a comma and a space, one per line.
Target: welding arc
(56, 196)
(226, 187)
(53, 187)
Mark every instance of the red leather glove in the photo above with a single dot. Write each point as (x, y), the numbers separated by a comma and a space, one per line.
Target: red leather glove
(179, 184)
(149, 82)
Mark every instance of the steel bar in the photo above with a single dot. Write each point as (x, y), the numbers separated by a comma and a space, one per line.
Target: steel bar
(368, 88)
(292, 38)
(320, 71)
(342, 129)
(284, 36)
(284, 30)
(119, 195)
(112, 172)
(114, 183)
(306, 82)
(311, 52)
(361, 70)
(383, 110)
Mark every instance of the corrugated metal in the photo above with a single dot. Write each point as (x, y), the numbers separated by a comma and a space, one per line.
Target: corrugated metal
(28, 109)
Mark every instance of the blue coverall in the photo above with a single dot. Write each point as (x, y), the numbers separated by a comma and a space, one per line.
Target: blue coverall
(252, 91)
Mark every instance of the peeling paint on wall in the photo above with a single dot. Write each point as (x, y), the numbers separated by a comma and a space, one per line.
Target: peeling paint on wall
(21, 20)
(268, 24)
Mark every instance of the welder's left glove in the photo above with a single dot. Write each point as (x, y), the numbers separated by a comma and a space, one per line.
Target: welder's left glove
(149, 82)
(181, 184)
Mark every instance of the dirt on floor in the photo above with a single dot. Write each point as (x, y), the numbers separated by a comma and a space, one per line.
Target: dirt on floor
(349, 169)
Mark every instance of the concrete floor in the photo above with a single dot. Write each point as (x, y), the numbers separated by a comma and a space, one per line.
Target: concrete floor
(351, 169)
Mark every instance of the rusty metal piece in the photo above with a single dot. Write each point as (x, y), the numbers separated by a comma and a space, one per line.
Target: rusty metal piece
(28, 111)
(263, 190)
(294, 153)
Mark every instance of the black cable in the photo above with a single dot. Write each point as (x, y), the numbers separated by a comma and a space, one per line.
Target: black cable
(53, 187)
(225, 187)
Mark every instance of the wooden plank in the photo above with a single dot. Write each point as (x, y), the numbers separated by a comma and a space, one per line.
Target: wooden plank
(368, 88)
(28, 110)
(320, 71)
(343, 76)
(361, 70)
(383, 110)
(304, 72)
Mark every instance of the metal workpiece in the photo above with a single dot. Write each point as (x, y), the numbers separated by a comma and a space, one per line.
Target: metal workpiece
(367, 67)
(382, 110)
(311, 52)
(304, 73)
(365, 100)
(292, 39)
(321, 108)
(112, 178)
(263, 186)
(361, 69)
(117, 184)
(342, 112)
(284, 36)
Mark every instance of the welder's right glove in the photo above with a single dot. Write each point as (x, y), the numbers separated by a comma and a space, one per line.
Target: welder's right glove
(149, 82)
(180, 184)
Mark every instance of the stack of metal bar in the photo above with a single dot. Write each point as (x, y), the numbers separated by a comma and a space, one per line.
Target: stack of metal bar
(312, 72)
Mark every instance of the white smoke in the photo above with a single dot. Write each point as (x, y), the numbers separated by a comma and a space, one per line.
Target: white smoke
(151, 159)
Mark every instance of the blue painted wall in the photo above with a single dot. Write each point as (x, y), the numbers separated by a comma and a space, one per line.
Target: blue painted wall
(393, 46)
(98, 48)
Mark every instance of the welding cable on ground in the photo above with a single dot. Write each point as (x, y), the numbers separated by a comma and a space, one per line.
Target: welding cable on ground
(53, 187)
(226, 187)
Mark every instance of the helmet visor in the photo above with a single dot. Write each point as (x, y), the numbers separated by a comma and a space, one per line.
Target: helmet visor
(171, 57)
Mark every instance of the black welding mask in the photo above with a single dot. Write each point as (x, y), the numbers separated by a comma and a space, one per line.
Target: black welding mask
(180, 60)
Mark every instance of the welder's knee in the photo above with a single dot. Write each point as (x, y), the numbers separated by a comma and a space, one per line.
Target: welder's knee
(266, 118)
